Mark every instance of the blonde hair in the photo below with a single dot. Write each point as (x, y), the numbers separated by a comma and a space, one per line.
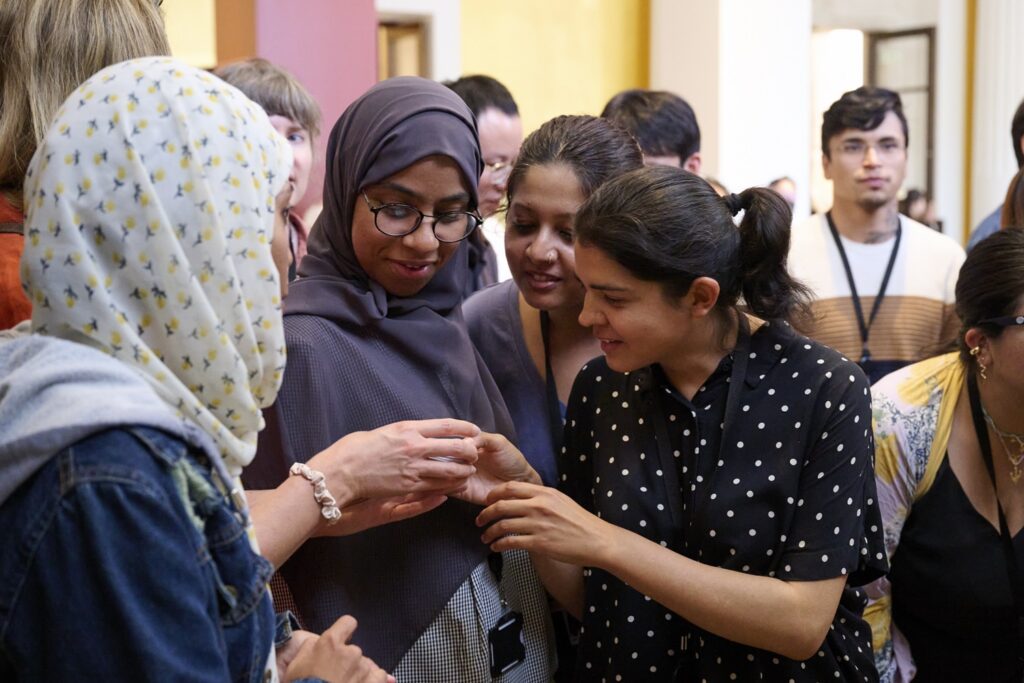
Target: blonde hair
(49, 47)
(275, 90)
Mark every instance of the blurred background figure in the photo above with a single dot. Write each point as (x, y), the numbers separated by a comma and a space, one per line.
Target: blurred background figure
(48, 49)
(717, 186)
(915, 205)
(501, 134)
(663, 123)
(918, 206)
(862, 253)
(993, 221)
(786, 188)
(296, 116)
(1013, 207)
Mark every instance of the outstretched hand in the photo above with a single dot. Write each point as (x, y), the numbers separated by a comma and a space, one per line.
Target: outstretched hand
(425, 456)
(498, 462)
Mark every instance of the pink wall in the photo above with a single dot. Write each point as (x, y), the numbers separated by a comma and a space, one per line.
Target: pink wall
(329, 45)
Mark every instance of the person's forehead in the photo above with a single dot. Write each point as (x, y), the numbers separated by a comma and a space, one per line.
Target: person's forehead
(497, 128)
(281, 122)
(889, 127)
(492, 117)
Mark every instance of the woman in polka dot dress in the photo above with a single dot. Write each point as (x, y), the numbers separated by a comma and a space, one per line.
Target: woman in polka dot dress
(717, 504)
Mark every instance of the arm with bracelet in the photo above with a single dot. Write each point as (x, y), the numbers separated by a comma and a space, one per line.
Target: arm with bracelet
(363, 480)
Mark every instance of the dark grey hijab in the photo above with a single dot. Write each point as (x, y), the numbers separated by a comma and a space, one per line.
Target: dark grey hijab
(359, 358)
(395, 124)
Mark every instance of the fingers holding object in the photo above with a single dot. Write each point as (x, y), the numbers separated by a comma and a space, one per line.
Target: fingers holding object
(445, 428)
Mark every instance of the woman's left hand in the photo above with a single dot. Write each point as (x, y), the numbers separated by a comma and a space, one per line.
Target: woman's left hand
(543, 520)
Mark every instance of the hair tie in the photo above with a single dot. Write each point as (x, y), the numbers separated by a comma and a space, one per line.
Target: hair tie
(734, 202)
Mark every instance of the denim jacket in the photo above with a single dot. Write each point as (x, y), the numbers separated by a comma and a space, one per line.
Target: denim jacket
(122, 561)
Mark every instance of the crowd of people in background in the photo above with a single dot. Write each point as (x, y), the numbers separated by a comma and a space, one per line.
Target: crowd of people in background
(517, 410)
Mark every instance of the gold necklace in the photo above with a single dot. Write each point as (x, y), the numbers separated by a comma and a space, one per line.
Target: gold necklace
(1004, 438)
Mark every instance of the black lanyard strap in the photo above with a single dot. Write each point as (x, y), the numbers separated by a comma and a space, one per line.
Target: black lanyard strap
(669, 466)
(554, 406)
(865, 327)
(1012, 566)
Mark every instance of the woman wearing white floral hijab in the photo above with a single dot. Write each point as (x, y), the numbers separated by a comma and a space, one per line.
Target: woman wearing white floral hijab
(152, 206)
(151, 214)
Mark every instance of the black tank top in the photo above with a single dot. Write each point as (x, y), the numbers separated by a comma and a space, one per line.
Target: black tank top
(950, 590)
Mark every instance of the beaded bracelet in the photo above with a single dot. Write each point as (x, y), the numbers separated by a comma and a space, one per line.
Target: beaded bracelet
(328, 506)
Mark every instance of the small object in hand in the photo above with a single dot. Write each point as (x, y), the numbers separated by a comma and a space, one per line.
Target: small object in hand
(445, 458)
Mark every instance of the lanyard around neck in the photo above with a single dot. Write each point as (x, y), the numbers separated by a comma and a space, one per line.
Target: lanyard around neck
(670, 467)
(1012, 566)
(865, 327)
(553, 405)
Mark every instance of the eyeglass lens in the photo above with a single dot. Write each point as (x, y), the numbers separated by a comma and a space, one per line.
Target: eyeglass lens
(397, 220)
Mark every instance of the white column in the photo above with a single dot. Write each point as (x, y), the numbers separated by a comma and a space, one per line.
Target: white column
(744, 66)
(998, 88)
(950, 112)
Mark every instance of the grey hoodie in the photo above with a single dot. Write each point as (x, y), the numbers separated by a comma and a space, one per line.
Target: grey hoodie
(54, 393)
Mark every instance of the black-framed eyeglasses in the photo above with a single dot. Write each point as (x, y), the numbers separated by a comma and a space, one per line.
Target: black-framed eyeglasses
(399, 220)
(1004, 321)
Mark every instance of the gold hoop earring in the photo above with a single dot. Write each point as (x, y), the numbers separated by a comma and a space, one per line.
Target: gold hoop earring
(976, 352)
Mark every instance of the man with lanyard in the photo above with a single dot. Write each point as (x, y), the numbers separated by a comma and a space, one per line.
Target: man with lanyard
(883, 284)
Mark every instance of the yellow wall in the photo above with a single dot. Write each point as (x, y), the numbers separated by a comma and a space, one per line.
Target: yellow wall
(192, 31)
(557, 56)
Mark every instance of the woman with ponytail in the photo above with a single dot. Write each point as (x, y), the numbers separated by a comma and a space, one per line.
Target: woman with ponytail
(717, 499)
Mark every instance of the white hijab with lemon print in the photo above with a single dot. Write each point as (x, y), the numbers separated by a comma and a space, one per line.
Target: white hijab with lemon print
(150, 209)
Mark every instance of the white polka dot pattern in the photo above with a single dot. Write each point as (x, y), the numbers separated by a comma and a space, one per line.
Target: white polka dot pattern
(772, 502)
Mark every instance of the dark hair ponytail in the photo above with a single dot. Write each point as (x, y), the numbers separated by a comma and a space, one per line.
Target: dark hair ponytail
(669, 226)
(768, 289)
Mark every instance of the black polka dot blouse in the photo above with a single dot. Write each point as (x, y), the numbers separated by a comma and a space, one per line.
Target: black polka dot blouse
(788, 493)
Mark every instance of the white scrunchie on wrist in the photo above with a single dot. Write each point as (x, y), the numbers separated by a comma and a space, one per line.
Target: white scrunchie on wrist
(328, 506)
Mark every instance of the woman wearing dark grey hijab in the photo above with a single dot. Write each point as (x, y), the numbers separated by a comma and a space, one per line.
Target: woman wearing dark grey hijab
(375, 335)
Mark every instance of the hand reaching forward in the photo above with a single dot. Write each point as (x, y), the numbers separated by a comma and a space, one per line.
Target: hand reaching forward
(398, 459)
(331, 658)
(498, 462)
(543, 520)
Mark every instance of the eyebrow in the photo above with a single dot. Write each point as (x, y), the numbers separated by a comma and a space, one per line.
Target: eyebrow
(523, 206)
(608, 288)
(401, 189)
(860, 137)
